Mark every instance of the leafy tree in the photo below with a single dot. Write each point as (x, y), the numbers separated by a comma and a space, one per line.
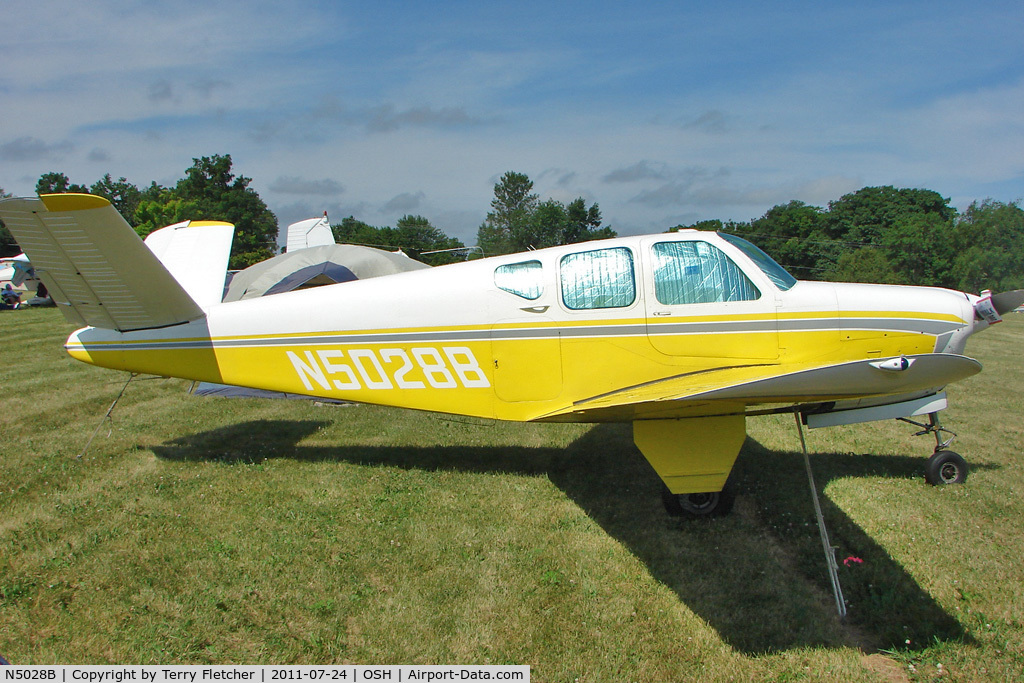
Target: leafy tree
(904, 225)
(513, 205)
(159, 207)
(57, 183)
(583, 223)
(794, 235)
(865, 214)
(711, 225)
(920, 249)
(866, 264)
(218, 195)
(554, 223)
(990, 242)
(418, 235)
(519, 221)
(124, 196)
(352, 231)
(413, 235)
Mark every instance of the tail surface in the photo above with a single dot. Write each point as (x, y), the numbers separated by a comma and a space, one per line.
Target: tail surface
(97, 269)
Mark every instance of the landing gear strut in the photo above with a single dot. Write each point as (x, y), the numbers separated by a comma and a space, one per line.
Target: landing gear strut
(944, 466)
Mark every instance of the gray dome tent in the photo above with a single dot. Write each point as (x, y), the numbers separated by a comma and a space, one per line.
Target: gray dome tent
(324, 265)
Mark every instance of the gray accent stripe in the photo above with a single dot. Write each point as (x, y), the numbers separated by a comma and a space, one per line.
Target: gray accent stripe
(725, 327)
(912, 325)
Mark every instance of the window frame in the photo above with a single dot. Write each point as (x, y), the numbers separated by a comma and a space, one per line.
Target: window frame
(520, 294)
(652, 247)
(630, 254)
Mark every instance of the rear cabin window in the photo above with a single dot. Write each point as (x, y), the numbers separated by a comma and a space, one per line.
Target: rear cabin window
(698, 273)
(522, 279)
(603, 278)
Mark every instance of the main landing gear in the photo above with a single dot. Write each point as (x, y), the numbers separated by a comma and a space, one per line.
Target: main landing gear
(944, 466)
(715, 504)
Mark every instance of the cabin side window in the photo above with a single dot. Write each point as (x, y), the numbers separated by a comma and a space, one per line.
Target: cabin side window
(603, 278)
(698, 273)
(522, 279)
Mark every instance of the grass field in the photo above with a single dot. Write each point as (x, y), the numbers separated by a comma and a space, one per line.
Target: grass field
(243, 531)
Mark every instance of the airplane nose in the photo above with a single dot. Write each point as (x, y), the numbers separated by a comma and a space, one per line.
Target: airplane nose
(982, 311)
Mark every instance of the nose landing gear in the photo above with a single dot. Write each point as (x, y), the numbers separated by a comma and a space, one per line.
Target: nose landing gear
(944, 466)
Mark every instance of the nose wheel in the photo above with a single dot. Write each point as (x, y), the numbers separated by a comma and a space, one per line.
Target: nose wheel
(944, 466)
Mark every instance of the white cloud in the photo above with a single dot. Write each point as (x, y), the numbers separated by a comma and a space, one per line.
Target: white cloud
(658, 117)
(404, 203)
(294, 185)
(32, 149)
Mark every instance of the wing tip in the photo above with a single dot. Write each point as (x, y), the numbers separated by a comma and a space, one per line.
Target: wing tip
(72, 201)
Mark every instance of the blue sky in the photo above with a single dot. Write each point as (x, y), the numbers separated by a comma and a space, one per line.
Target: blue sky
(661, 112)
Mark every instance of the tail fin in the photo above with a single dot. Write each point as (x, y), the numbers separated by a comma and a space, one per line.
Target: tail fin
(313, 232)
(94, 265)
(196, 253)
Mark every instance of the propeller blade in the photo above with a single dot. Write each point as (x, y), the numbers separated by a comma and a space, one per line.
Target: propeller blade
(1004, 302)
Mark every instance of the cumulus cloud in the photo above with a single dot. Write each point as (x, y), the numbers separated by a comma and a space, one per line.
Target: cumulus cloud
(160, 91)
(682, 188)
(712, 121)
(717, 188)
(388, 117)
(322, 121)
(302, 186)
(560, 177)
(98, 155)
(404, 203)
(641, 170)
(206, 87)
(33, 149)
(164, 91)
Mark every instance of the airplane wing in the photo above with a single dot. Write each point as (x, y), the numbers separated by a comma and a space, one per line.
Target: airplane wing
(95, 266)
(732, 388)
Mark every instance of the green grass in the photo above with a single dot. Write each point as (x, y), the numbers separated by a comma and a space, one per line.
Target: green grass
(217, 531)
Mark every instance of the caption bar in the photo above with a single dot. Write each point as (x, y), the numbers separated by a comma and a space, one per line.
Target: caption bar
(355, 673)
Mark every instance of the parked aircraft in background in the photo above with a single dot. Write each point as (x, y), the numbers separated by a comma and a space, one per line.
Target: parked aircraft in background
(312, 232)
(685, 335)
(18, 272)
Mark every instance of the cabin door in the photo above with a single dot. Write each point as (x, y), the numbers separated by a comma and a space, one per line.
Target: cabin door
(700, 303)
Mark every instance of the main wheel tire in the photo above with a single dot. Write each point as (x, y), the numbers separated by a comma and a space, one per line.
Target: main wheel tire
(712, 504)
(945, 467)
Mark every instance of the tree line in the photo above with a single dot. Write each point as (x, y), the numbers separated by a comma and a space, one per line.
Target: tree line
(893, 236)
(518, 221)
(209, 191)
(877, 234)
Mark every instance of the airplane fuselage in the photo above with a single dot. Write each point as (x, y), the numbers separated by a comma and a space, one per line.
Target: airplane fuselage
(620, 329)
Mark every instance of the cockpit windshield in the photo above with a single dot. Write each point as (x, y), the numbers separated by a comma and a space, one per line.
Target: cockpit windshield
(779, 276)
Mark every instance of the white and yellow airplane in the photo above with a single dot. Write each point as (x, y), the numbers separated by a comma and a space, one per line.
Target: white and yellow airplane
(683, 334)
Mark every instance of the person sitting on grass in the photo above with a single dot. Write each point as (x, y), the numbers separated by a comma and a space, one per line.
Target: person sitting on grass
(10, 298)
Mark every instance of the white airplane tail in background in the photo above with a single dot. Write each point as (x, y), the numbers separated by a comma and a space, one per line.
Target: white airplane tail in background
(97, 269)
(313, 232)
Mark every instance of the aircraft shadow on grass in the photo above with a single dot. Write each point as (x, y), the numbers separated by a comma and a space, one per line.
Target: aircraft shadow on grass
(757, 576)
